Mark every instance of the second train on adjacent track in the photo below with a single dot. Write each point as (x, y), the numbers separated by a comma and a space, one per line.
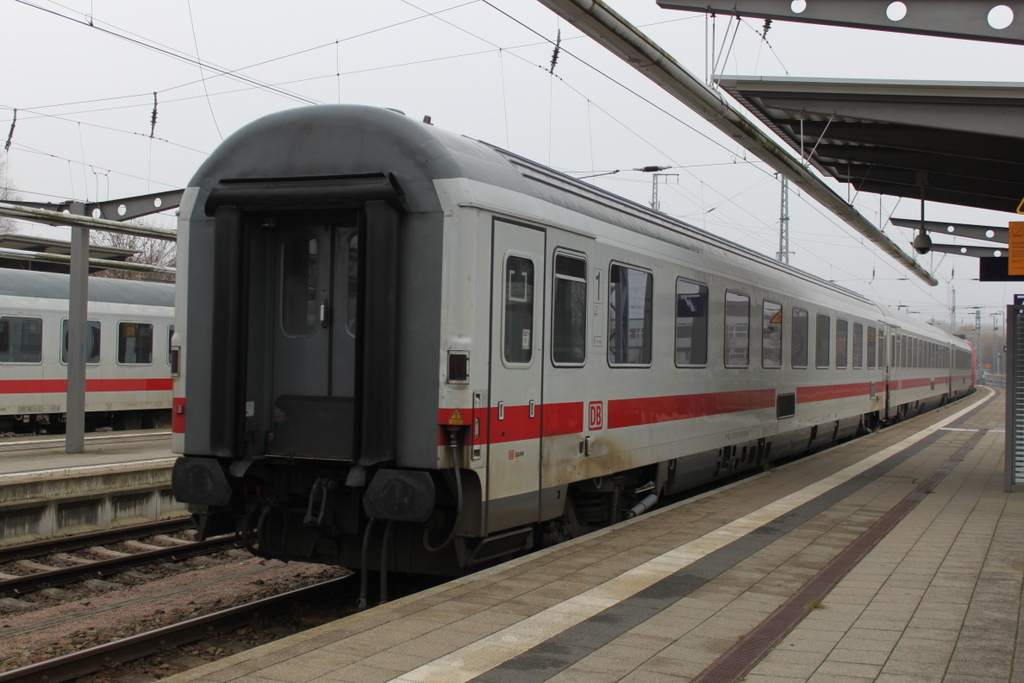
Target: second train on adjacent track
(395, 338)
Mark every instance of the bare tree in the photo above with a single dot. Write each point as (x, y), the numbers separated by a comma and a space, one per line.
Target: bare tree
(147, 250)
(7, 194)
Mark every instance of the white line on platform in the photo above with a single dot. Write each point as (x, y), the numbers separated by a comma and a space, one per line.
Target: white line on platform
(483, 655)
(961, 429)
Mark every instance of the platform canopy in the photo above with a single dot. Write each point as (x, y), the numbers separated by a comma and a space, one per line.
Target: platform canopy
(43, 245)
(956, 143)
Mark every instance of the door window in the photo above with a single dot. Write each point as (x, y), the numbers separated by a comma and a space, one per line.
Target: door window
(299, 277)
(800, 338)
(771, 335)
(691, 324)
(518, 313)
(737, 330)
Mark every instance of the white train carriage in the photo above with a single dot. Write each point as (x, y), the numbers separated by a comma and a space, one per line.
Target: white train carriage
(417, 328)
(128, 382)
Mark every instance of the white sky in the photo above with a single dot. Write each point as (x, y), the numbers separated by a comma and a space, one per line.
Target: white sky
(84, 95)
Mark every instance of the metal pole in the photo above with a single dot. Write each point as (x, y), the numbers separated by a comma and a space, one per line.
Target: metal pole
(784, 222)
(74, 438)
(1011, 441)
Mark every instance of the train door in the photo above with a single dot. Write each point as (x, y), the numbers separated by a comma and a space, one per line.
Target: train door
(314, 342)
(892, 371)
(517, 361)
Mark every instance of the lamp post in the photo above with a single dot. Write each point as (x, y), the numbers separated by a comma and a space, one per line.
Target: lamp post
(996, 348)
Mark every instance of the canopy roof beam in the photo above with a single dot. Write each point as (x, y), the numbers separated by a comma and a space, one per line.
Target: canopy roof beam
(616, 34)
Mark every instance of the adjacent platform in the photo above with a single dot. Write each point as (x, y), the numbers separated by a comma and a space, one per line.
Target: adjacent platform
(35, 453)
(122, 478)
(896, 557)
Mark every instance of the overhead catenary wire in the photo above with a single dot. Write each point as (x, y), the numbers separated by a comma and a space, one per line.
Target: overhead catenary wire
(202, 73)
(174, 54)
(588, 99)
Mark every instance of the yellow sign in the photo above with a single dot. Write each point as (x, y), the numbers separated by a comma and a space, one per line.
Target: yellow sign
(456, 417)
(1016, 264)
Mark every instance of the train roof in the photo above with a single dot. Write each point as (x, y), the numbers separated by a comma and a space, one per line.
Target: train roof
(28, 283)
(325, 141)
(333, 141)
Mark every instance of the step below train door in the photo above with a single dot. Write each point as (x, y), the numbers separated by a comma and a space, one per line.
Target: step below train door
(313, 358)
(517, 361)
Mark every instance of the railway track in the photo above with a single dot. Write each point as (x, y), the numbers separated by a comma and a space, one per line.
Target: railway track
(69, 568)
(84, 662)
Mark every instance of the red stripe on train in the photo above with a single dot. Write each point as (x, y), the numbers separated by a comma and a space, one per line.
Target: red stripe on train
(178, 416)
(632, 412)
(60, 386)
(834, 391)
(558, 418)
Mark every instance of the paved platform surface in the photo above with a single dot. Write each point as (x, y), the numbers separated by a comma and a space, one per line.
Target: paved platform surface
(896, 557)
(37, 453)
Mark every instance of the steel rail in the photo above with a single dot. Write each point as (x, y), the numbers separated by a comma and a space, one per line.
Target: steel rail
(85, 662)
(77, 542)
(64, 575)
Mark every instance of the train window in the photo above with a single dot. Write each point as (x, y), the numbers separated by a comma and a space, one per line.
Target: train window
(821, 338)
(858, 345)
(842, 343)
(881, 348)
(134, 343)
(518, 323)
(771, 335)
(569, 311)
(800, 338)
(353, 283)
(170, 336)
(691, 324)
(902, 351)
(737, 330)
(630, 317)
(872, 346)
(92, 336)
(299, 310)
(21, 340)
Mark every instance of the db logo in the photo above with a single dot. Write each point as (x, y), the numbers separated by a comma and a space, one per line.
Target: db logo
(595, 413)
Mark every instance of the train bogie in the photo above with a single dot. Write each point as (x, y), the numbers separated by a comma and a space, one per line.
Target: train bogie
(405, 348)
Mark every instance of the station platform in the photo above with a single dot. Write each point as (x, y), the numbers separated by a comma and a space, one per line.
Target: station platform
(122, 478)
(894, 557)
(35, 453)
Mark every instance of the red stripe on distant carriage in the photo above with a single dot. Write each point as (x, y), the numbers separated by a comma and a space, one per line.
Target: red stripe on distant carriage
(60, 386)
(632, 412)
(178, 416)
(831, 392)
(913, 383)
